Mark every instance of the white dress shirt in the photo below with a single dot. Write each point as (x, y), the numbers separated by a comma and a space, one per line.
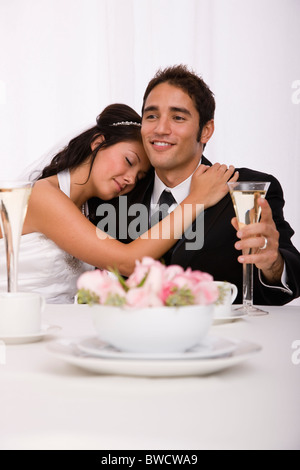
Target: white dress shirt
(179, 192)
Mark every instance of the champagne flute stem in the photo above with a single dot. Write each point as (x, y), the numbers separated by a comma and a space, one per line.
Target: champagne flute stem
(11, 270)
(247, 286)
(11, 264)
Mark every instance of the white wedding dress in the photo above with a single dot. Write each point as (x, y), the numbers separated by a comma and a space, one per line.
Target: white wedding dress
(43, 266)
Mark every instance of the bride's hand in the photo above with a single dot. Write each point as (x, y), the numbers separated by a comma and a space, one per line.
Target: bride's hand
(208, 184)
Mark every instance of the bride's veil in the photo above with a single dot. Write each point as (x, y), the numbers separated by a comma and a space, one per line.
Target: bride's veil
(34, 169)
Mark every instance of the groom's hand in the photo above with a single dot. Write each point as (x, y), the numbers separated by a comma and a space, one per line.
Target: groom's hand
(263, 239)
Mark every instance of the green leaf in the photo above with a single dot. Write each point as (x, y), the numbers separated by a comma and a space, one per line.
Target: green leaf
(115, 300)
(222, 294)
(120, 278)
(87, 297)
(180, 297)
(143, 280)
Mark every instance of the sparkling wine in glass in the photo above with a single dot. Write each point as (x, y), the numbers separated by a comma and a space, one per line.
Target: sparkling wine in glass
(245, 195)
(14, 196)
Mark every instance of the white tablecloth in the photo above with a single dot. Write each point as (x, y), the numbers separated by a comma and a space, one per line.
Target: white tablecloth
(48, 404)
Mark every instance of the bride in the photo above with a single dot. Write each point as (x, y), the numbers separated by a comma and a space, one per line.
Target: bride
(59, 242)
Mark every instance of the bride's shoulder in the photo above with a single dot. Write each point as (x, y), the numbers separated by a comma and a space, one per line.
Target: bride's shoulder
(46, 184)
(45, 192)
(46, 202)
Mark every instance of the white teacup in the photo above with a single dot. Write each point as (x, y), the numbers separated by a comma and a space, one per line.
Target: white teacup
(20, 313)
(227, 295)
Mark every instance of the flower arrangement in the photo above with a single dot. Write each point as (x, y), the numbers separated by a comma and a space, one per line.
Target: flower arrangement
(152, 284)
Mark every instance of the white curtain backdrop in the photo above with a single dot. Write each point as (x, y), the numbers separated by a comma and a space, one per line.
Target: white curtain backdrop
(63, 61)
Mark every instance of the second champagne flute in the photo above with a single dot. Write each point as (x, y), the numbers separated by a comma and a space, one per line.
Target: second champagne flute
(245, 195)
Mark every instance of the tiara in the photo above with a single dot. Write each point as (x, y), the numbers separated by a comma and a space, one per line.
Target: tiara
(127, 123)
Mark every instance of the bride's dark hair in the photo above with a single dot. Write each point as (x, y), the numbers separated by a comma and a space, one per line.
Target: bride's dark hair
(79, 148)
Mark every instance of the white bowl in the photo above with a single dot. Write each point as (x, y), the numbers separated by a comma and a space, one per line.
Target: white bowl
(153, 329)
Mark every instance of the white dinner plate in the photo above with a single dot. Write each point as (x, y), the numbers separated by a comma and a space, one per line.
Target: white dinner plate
(46, 330)
(213, 346)
(68, 351)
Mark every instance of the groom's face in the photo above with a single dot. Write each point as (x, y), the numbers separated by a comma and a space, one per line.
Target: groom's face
(170, 127)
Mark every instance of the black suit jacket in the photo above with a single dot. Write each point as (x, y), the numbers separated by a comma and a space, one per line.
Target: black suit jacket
(218, 256)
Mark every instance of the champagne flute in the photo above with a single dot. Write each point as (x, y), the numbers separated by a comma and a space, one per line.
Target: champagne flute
(14, 196)
(245, 195)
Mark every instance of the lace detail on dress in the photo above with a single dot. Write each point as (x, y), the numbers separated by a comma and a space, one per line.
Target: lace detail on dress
(74, 264)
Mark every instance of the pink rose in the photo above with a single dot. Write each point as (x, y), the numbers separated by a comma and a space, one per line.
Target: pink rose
(101, 283)
(137, 276)
(141, 297)
(154, 279)
(147, 261)
(160, 283)
(166, 290)
(182, 281)
(205, 293)
(172, 271)
(110, 288)
(92, 280)
(198, 276)
(141, 269)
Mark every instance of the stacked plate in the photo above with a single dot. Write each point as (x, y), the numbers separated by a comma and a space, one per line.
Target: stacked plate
(92, 354)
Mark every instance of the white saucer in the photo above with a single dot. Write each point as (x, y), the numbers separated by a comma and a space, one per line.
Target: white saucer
(235, 314)
(46, 330)
(213, 347)
(68, 351)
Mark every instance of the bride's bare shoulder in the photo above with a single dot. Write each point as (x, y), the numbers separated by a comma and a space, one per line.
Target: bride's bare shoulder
(46, 198)
(46, 183)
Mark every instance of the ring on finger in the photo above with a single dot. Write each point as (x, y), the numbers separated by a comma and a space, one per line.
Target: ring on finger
(265, 244)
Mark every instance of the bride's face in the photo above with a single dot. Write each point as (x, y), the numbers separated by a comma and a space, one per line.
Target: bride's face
(117, 169)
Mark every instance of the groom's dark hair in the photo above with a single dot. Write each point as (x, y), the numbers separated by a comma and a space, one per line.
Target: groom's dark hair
(181, 77)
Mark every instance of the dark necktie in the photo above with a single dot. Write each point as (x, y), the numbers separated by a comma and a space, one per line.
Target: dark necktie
(164, 203)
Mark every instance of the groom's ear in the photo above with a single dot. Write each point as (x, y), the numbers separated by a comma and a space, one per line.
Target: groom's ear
(207, 131)
(97, 141)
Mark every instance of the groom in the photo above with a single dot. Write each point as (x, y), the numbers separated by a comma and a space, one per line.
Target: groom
(177, 122)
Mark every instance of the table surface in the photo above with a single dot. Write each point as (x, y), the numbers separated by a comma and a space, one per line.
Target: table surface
(47, 403)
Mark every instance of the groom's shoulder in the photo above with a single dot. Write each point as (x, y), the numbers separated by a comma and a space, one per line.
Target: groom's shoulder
(249, 174)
